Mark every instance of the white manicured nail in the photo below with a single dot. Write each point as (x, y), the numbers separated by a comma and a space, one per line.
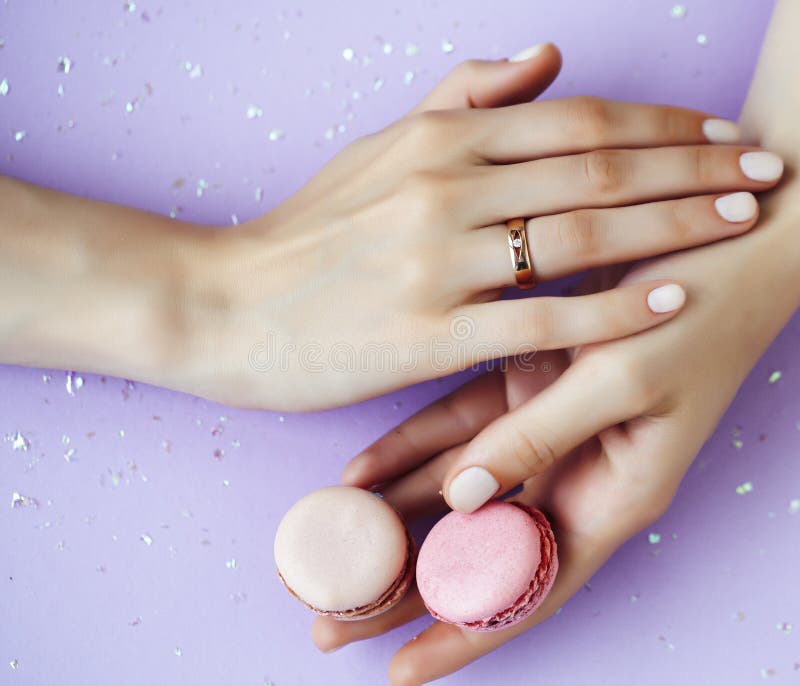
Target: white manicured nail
(737, 207)
(471, 489)
(528, 53)
(761, 166)
(666, 298)
(721, 131)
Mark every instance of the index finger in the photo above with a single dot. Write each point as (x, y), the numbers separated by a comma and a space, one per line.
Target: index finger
(573, 125)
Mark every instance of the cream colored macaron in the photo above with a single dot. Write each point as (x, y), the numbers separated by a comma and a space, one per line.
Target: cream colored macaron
(345, 552)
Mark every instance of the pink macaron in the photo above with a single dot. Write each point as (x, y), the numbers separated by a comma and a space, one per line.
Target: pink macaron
(490, 569)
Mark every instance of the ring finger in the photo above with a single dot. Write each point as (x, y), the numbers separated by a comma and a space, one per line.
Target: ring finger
(566, 243)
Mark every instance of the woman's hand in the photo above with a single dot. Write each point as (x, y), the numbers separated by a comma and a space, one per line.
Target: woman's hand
(600, 438)
(377, 273)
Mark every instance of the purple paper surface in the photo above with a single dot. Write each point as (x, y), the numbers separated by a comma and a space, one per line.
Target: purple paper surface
(137, 523)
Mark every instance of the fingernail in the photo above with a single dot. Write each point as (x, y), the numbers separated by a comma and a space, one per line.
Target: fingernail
(666, 298)
(332, 650)
(721, 131)
(471, 489)
(761, 166)
(737, 207)
(528, 53)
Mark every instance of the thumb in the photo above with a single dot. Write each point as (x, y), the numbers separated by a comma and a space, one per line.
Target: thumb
(496, 83)
(526, 441)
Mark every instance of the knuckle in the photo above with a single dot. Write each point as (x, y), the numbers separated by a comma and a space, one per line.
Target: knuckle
(674, 123)
(426, 130)
(426, 195)
(588, 119)
(531, 449)
(414, 274)
(606, 172)
(579, 232)
(639, 391)
(681, 226)
(537, 320)
(702, 160)
(468, 69)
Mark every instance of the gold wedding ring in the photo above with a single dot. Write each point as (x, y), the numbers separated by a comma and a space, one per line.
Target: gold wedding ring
(520, 255)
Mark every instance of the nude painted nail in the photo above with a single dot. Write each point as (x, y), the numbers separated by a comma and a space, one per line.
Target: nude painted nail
(528, 53)
(471, 489)
(761, 166)
(737, 207)
(721, 131)
(666, 298)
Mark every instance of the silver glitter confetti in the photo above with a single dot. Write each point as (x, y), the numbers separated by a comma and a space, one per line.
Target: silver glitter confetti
(388, 48)
(177, 651)
(232, 563)
(329, 134)
(737, 443)
(60, 91)
(19, 442)
(775, 376)
(254, 112)
(784, 627)
(18, 500)
(146, 539)
(259, 194)
(678, 12)
(767, 672)
(73, 383)
(348, 54)
(447, 47)
(64, 65)
(412, 49)
(654, 538)
(129, 6)
(275, 135)
(202, 187)
(4, 87)
(378, 84)
(794, 506)
(19, 135)
(234, 220)
(746, 487)
(702, 39)
(408, 77)
(14, 664)
(195, 71)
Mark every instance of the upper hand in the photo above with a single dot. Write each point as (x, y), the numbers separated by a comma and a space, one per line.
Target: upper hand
(377, 273)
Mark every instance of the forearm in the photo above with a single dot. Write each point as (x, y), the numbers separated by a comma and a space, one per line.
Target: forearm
(89, 285)
(772, 110)
(771, 116)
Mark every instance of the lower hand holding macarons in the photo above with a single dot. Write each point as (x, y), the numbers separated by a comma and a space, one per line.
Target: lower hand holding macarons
(599, 437)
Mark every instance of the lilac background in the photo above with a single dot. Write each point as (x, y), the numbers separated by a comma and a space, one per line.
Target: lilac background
(85, 599)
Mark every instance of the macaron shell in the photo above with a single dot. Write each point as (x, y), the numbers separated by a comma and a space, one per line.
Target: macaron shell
(473, 566)
(341, 548)
(540, 586)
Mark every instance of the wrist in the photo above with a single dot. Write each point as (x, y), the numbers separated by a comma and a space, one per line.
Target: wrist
(91, 286)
